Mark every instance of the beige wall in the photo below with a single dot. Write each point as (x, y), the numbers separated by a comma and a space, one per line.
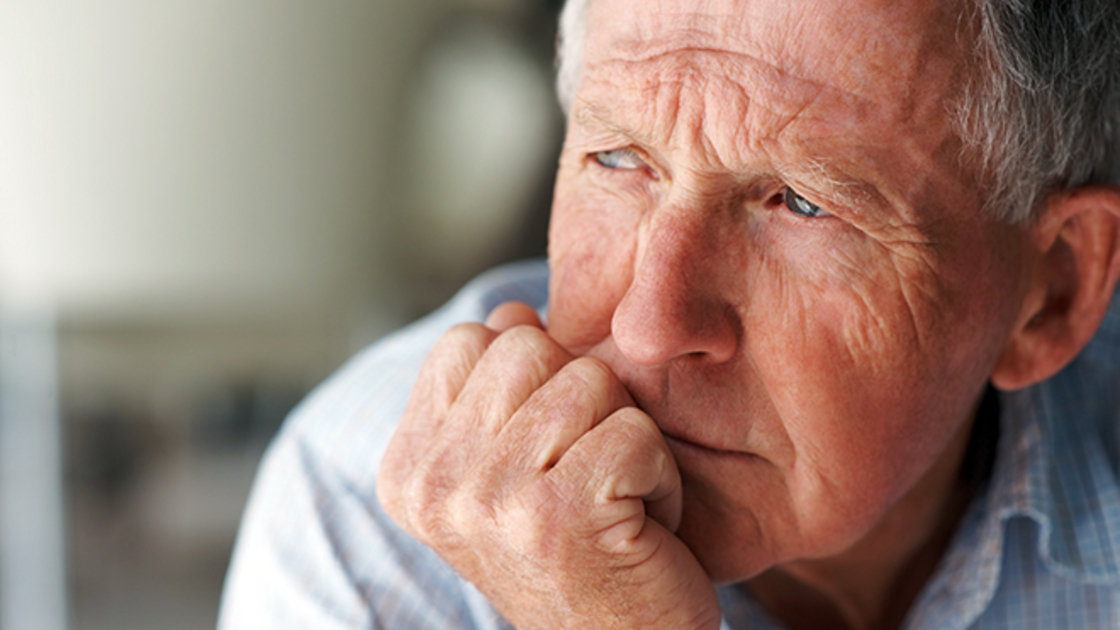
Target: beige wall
(220, 200)
(185, 160)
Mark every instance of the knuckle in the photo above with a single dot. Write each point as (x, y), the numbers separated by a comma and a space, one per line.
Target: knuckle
(421, 501)
(592, 374)
(469, 337)
(448, 512)
(533, 344)
(388, 492)
(467, 333)
(583, 387)
(577, 385)
(539, 518)
(471, 515)
(446, 368)
(632, 426)
(630, 435)
(463, 342)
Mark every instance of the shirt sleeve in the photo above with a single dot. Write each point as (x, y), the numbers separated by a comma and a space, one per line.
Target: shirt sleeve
(315, 549)
(315, 552)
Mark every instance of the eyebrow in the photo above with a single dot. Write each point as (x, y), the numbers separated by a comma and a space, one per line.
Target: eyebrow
(591, 114)
(853, 192)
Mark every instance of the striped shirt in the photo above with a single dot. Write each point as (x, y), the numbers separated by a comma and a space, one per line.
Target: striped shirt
(1039, 548)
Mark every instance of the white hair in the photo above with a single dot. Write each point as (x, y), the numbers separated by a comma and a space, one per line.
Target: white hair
(1042, 112)
(569, 51)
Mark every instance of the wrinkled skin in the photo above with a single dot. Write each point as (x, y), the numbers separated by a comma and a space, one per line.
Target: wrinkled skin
(830, 360)
(813, 378)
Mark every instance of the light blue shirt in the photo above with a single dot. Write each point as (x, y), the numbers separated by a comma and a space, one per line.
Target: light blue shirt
(1040, 548)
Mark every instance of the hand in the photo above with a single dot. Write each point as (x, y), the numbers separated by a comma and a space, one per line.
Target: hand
(533, 473)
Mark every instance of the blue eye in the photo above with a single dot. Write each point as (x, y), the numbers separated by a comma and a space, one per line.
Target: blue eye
(802, 206)
(623, 159)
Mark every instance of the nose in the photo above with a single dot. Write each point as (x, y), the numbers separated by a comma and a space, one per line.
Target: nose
(675, 305)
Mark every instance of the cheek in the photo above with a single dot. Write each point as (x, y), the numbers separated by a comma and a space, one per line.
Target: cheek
(851, 366)
(591, 252)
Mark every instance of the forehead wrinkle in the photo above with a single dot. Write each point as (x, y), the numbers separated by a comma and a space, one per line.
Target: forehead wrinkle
(853, 32)
(757, 74)
(776, 98)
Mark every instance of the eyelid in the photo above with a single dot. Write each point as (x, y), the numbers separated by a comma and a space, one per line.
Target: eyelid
(790, 203)
(623, 159)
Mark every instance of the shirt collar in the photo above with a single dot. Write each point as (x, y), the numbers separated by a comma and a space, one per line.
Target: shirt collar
(1062, 473)
(1056, 465)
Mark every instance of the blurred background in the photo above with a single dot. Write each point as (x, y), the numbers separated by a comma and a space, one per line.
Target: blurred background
(205, 208)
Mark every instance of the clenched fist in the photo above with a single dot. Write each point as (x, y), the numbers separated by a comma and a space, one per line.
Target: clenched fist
(533, 473)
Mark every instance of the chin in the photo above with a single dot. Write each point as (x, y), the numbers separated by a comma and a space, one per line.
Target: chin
(729, 547)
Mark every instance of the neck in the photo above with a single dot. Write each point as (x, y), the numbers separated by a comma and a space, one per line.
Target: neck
(872, 585)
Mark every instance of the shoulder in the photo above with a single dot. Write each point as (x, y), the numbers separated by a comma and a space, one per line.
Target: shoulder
(348, 420)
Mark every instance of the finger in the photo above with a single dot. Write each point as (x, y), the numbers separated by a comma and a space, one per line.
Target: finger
(439, 383)
(575, 399)
(471, 385)
(625, 472)
(578, 397)
(510, 314)
(516, 364)
(446, 485)
(447, 368)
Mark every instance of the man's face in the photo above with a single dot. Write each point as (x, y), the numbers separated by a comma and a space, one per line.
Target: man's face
(808, 369)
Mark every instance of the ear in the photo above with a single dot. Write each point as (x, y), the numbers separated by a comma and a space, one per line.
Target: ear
(1077, 254)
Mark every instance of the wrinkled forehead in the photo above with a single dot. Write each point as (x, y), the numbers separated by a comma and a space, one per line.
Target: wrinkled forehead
(871, 48)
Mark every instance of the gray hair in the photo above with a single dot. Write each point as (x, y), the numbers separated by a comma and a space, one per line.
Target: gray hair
(1041, 114)
(569, 51)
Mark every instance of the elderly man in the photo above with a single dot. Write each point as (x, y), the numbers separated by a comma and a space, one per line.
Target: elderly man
(824, 348)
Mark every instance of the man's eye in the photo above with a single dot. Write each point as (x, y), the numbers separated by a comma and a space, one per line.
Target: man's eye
(802, 206)
(624, 159)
